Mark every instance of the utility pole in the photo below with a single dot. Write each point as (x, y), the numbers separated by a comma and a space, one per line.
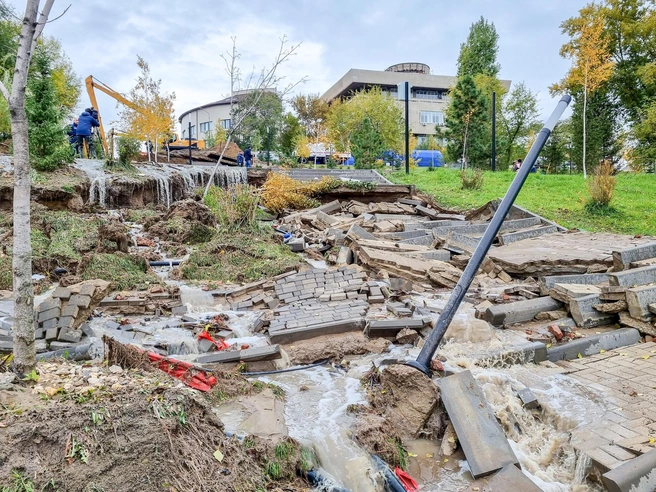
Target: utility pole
(407, 128)
(190, 161)
(494, 131)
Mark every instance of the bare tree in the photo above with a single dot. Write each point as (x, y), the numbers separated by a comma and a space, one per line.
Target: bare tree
(257, 83)
(24, 350)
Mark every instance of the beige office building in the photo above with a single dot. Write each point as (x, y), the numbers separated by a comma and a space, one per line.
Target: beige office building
(429, 94)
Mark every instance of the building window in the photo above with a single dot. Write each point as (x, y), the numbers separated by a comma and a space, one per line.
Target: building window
(421, 139)
(427, 94)
(226, 124)
(206, 127)
(193, 131)
(431, 117)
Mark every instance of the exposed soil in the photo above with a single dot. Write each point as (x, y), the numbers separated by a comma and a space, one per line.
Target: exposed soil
(334, 347)
(144, 432)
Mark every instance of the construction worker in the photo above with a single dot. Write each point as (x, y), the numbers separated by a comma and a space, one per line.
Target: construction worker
(248, 156)
(72, 137)
(240, 159)
(86, 122)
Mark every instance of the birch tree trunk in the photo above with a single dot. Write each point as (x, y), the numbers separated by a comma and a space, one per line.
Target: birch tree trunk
(585, 110)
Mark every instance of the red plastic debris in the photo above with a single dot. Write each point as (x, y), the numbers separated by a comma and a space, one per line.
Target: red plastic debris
(406, 480)
(185, 372)
(219, 344)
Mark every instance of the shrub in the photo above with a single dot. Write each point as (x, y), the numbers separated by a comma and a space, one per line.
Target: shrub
(235, 207)
(471, 179)
(128, 150)
(281, 192)
(602, 184)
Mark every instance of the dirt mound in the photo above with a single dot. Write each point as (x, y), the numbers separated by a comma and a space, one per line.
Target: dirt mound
(113, 232)
(139, 433)
(378, 436)
(230, 153)
(192, 210)
(334, 347)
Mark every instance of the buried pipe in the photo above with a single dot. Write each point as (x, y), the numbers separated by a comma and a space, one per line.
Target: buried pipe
(162, 263)
(76, 352)
(317, 480)
(423, 359)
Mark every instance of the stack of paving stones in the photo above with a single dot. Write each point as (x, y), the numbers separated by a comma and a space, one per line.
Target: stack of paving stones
(325, 285)
(311, 312)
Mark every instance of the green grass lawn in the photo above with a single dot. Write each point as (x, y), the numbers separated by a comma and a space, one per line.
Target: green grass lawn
(558, 197)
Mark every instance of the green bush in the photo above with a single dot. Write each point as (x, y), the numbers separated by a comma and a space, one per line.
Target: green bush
(235, 207)
(128, 150)
(471, 179)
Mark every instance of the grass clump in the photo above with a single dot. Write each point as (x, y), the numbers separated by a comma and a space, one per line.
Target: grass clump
(6, 276)
(125, 272)
(240, 257)
(471, 179)
(234, 207)
(601, 185)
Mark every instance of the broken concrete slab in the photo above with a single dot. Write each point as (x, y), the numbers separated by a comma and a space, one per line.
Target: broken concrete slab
(460, 243)
(510, 478)
(547, 283)
(512, 237)
(268, 352)
(356, 232)
(611, 307)
(427, 212)
(593, 344)
(529, 400)
(481, 437)
(520, 311)
(634, 277)
(425, 240)
(316, 330)
(433, 254)
(586, 316)
(389, 328)
(72, 336)
(623, 259)
(638, 474)
(642, 326)
(345, 256)
(508, 225)
(638, 299)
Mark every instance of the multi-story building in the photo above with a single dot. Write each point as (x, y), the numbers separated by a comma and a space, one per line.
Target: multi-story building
(429, 94)
(205, 118)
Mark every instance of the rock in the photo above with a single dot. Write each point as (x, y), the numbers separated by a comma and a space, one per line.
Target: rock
(116, 369)
(144, 241)
(94, 381)
(449, 441)
(406, 335)
(7, 379)
(414, 398)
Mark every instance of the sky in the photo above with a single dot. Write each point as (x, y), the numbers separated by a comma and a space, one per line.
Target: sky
(183, 41)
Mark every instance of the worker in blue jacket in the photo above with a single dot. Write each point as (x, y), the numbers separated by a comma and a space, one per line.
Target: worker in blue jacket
(72, 137)
(84, 129)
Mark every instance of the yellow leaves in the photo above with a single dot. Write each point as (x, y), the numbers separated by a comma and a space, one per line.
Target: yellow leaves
(303, 147)
(281, 192)
(218, 455)
(652, 440)
(412, 455)
(644, 357)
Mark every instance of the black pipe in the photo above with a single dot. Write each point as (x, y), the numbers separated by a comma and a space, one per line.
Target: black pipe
(75, 352)
(423, 359)
(165, 263)
(60, 271)
(317, 480)
(392, 482)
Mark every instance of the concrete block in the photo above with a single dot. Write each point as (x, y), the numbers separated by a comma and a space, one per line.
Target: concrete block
(269, 352)
(297, 244)
(87, 330)
(425, 240)
(634, 277)
(49, 314)
(81, 301)
(512, 237)
(520, 311)
(652, 308)
(412, 202)
(206, 346)
(308, 332)
(529, 400)
(510, 478)
(583, 312)
(638, 474)
(622, 259)
(594, 344)
(62, 293)
(356, 232)
(60, 345)
(51, 323)
(345, 256)
(40, 346)
(479, 229)
(480, 435)
(547, 283)
(6, 346)
(72, 336)
(638, 299)
(340, 296)
(460, 243)
(71, 311)
(52, 334)
(87, 289)
(642, 326)
(65, 323)
(49, 304)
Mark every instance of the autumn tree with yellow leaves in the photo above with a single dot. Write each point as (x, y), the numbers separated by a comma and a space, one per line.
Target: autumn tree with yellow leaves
(150, 116)
(589, 50)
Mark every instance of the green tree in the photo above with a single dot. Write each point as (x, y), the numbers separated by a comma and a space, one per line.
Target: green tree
(517, 118)
(555, 156)
(384, 115)
(466, 123)
(367, 144)
(478, 55)
(602, 125)
(312, 112)
(292, 130)
(49, 148)
(263, 121)
(67, 83)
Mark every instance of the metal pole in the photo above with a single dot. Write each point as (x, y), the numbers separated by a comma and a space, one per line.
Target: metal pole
(494, 131)
(407, 128)
(190, 161)
(423, 360)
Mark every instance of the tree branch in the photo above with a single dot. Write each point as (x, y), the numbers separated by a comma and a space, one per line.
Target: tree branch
(41, 23)
(4, 91)
(59, 16)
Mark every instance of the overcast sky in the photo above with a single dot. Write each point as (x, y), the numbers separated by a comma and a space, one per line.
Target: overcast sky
(182, 41)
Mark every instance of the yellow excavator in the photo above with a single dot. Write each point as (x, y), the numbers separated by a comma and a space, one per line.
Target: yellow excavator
(174, 143)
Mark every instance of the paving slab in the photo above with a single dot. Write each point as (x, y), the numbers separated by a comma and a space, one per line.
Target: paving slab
(623, 259)
(511, 237)
(511, 479)
(547, 283)
(49, 304)
(634, 277)
(49, 314)
(62, 293)
(479, 433)
(638, 474)
(520, 311)
(268, 352)
(79, 300)
(316, 330)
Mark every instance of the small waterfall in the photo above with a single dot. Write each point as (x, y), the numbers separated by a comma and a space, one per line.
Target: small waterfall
(95, 171)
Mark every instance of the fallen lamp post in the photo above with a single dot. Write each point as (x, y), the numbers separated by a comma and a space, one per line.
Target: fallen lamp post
(422, 363)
